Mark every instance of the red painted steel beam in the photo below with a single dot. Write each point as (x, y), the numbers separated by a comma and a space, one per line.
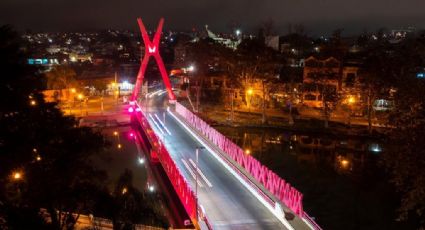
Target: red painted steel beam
(152, 49)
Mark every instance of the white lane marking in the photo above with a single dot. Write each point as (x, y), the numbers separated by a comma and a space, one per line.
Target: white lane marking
(156, 124)
(200, 173)
(191, 172)
(152, 94)
(163, 125)
(232, 171)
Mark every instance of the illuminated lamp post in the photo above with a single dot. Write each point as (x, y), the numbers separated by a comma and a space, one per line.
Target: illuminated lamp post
(250, 91)
(81, 97)
(17, 177)
(351, 101)
(71, 99)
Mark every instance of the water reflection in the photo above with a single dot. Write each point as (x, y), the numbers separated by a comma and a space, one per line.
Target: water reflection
(340, 177)
(342, 154)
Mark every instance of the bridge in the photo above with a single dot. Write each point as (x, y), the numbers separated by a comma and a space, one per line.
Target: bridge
(219, 186)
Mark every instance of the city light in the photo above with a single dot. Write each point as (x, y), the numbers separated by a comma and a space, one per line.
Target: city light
(17, 175)
(80, 96)
(191, 68)
(151, 188)
(38, 158)
(130, 109)
(119, 146)
(238, 32)
(250, 91)
(124, 190)
(351, 100)
(33, 102)
(376, 148)
(247, 151)
(73, 90)
(115, 133)
(141, 160)
(344, 163)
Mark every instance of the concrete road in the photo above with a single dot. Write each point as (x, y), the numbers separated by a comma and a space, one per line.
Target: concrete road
(227, 203)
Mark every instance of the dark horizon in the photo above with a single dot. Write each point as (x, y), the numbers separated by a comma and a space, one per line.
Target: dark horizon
(317, 17)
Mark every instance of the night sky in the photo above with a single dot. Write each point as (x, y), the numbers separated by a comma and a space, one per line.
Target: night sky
(317, 16)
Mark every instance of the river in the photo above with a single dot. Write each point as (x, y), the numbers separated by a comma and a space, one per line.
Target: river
(343, 182)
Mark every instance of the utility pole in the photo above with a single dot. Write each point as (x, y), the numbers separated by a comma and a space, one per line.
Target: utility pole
(369, 110)
(232, 115)
(101, 104)
(263, 119)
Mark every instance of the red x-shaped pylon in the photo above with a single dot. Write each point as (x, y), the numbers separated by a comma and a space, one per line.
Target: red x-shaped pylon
(152, 49)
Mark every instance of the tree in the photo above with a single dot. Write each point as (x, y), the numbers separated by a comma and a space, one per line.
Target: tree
(376, 74)
(18, 80)
(405, 159)
(327, 91)
(204, 54)
(44, 155)
(61, 77)
(132, 206)
(251, 62)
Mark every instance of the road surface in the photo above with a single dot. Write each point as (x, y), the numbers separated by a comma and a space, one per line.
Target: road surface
(227, 203)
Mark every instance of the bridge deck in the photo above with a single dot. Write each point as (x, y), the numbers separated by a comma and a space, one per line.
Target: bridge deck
(227, 203)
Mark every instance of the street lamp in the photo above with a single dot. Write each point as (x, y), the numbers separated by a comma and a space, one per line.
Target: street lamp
(17, 175)
(351, 101)
(250, 91)
(71, 99)
(81, 97)
(196, 182)
(151, 188)
(33, 102)
(191, 68)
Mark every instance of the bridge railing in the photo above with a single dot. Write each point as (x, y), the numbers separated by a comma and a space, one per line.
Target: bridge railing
(277, 186)
(181, 186)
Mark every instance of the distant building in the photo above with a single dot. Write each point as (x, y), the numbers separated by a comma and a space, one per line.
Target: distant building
(272, 42)
(340, 76)
(43, 61)
(229, 43)
(76, 57)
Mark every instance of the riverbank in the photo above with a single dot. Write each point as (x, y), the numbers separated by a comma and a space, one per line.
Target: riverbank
(281, 121)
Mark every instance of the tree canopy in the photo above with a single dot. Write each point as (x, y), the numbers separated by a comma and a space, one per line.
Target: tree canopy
(44, 155)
